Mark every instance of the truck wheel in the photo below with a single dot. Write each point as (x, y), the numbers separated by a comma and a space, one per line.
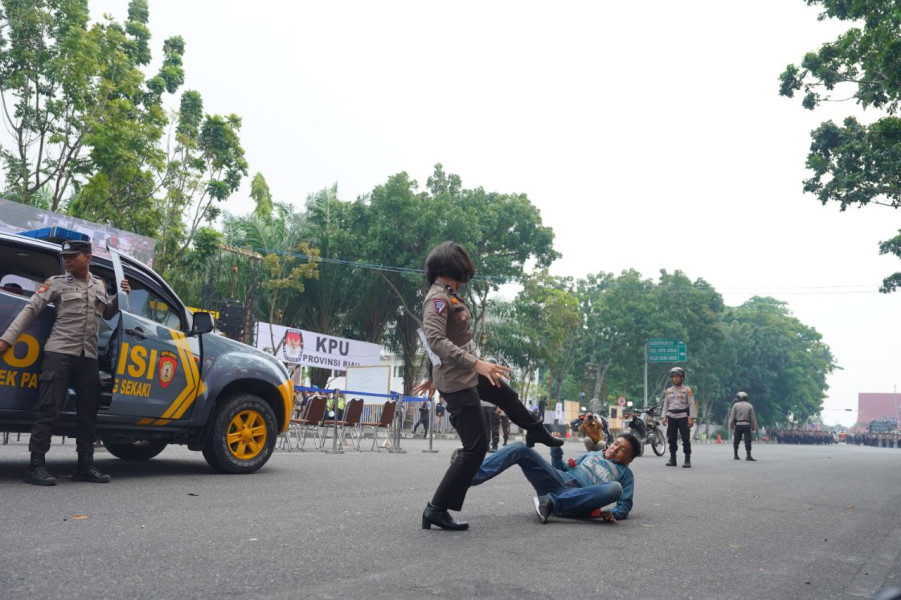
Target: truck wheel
(242, 436)
(136, 450)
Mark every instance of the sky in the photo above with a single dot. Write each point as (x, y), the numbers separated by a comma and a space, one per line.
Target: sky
(650, 135)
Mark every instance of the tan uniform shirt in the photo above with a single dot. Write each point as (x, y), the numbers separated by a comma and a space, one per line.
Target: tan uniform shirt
(742, 414)
(79, 306)
(446, 321)
(677, 400)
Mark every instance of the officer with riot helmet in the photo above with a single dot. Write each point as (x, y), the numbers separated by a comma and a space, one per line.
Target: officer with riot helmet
(678, 416)
(742, 420)
(70, 357)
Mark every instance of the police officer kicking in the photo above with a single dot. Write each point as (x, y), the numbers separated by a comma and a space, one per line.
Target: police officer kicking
(678, 416)
(742, 420)
(70, 356)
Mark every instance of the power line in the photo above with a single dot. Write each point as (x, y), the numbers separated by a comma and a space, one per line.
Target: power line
(813, 290)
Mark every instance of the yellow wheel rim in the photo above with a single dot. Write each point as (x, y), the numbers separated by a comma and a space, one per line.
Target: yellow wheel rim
(247, 435)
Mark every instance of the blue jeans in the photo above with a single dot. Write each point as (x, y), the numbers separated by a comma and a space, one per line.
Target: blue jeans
(568, 497)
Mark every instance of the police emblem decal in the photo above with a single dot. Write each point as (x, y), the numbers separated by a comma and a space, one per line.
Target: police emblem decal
(440, 305)
(44, 287)
(167, 367)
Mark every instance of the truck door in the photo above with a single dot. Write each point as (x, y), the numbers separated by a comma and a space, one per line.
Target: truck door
(156, 374)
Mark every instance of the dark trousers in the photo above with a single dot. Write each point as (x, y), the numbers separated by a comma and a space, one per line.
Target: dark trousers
(505, 427)
(492, 422)
(742, 431)
(679, 427)
(467, 418)
(425, 425)
(58, 372)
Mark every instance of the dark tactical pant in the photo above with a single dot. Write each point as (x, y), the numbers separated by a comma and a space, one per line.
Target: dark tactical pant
(492, 421)
(740, 431)
(679, 427)
(58, 372)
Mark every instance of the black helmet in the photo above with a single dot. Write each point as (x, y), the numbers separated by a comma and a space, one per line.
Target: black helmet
(677, 371)
(741, 397)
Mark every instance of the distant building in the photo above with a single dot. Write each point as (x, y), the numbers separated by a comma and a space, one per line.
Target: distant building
(874, 407)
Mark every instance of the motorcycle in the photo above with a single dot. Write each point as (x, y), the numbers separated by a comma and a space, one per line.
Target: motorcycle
(642, 423)
(605, 425)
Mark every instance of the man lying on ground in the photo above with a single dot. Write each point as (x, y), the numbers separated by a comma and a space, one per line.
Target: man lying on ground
(580, 488)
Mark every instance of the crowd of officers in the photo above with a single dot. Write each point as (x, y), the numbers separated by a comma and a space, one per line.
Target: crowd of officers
(802, 436)
(886, 439)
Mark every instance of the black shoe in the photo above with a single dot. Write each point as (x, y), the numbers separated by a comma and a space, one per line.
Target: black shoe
(671, 462)
(749, 457)
(687, 463)
(492, 450)
(432, 515)
(543, 507)
(86, 471)
(539, 434)
(736, 456)
(37, 471)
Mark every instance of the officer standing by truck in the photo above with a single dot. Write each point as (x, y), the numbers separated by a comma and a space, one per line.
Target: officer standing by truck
(678, 416)
(70, 356)
(742, 421)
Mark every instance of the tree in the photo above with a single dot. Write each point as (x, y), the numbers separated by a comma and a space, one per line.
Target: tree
(779, 361)
(558, 324)
(69, 90)
(620, 316)
(856, 164)
(400, 225)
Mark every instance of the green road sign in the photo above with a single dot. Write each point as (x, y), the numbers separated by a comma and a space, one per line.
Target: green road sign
(666, 351)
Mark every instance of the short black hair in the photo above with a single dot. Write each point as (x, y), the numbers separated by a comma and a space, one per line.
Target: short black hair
(633, 441)
(449, 259)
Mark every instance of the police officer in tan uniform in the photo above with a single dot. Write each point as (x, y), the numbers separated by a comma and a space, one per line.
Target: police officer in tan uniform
(678, 416)
(70, 357)
(462, 379)
(742, 420)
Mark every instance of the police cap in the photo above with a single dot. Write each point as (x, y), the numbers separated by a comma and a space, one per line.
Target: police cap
(76, 247)
(741, 397)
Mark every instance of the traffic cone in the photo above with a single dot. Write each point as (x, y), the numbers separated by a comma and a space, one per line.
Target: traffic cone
(719, 439)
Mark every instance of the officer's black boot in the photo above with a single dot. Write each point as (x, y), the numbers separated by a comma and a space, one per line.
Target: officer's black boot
(687, 463)
(86, 471)
(736, 453)
(672, 460)
(37, 471)
(748, 457)
(538, 433)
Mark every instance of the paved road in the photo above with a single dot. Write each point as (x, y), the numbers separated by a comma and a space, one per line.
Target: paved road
(803, 522)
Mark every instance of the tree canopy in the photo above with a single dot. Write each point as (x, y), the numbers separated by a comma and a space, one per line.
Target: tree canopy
(855, 164)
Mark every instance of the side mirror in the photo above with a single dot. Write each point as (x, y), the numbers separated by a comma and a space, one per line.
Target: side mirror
(203, 322)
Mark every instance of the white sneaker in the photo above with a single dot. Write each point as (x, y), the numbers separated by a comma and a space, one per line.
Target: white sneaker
(543, 507)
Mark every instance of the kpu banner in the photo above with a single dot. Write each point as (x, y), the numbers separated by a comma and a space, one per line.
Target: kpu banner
(314, 349)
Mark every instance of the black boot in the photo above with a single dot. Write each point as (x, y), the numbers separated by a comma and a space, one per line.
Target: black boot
(37, 471)
(86, 471)
(736, 454)
(672, 460)
(748, 457)
(538, 433)
(687, 463)
(432, 515)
